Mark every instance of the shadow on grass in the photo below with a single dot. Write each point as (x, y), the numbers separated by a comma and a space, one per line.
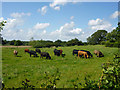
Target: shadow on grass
(18, 56)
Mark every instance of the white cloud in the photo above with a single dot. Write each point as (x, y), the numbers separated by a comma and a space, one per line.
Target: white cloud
(57, 8)
(43, 10)
(1, 19)
(100, 24)
(57, 3)
(115, 14)
(76, 31)
(67, 32)
(12, 30)
(13, 23)
(41, 25)
(19, 15)
(95, 22)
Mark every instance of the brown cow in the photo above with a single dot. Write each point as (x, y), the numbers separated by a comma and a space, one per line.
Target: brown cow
(15, 52)
(26, 50)
(98, 53)
(60, 51)
(82, 53)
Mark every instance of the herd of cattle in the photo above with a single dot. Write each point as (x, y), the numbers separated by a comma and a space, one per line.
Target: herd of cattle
(79, 53)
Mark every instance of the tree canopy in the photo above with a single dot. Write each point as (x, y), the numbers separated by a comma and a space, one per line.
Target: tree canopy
(97, 37)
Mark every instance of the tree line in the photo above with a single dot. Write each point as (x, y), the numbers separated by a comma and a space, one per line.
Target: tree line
(111, 39)
(43, 43)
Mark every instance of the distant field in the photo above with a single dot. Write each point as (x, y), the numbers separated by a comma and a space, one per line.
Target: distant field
(16, 69)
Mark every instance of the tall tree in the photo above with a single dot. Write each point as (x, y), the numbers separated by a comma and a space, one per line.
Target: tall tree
(2, 24)
(112, 36)
(97, 37)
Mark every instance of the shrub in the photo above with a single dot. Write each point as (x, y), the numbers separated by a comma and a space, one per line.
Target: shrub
(116, 44)
(109, 44)
(103, 42)
(38, 45)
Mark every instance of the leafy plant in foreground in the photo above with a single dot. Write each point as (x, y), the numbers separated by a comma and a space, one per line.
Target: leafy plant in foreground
(51, 80)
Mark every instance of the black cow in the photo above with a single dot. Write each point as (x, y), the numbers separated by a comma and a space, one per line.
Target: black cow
(89, 54)
(45, 54)
(38, 50)
(75, 51)
(56, 52)
(31, 52)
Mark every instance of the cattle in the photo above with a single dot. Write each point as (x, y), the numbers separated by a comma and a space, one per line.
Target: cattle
(31, 52)
(82, 53)
(56, 52)
(60, 51)
(98, 53)
(89, 54)
(15, 52)
(45, 54)
(26, 50)
(75, 52)
(38, 50)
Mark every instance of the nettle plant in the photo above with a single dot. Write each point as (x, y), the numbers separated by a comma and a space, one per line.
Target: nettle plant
(51, 80)
(111, 74)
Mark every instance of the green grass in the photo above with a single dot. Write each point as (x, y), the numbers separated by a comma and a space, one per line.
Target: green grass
(16, 69)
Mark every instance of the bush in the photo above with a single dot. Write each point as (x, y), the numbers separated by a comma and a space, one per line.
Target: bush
(103, 42)
(116, 44)
(109, 44)
(38, 45)
(18, 42)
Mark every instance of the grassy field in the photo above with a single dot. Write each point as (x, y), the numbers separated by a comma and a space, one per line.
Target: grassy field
(16, 69)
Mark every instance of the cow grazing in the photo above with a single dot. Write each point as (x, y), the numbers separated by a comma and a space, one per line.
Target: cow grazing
(75, 52)
(45, 54)
(26, 50)
(15, 52)
(31, 52)
(82, 53)
(89, 54)
(56, 52)
(38, 50)
(98, 53)
(60, 51)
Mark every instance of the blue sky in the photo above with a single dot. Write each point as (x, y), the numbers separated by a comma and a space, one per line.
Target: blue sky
(57, 20)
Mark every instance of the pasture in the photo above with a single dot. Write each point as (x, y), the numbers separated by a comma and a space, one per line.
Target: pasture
(16, 69)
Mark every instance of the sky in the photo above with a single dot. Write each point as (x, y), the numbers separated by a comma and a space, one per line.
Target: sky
(57, 20)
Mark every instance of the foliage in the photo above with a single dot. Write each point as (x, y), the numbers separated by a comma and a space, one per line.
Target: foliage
(43, 43)
(103, 42)
(73, 42)
(116, 44)
(114, 37)
(25, 84)
(111, 74)
(97, 37)
(18, 43)
(51, 80)
(111, 39)
(109, 44)
(2, 24)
